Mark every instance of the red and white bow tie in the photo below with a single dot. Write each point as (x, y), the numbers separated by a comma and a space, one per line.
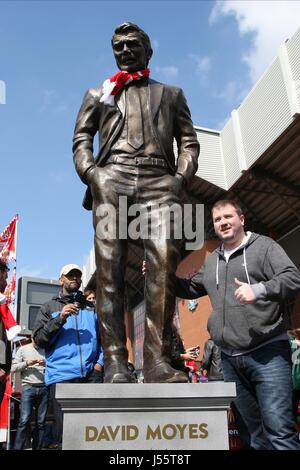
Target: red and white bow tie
(114, 84)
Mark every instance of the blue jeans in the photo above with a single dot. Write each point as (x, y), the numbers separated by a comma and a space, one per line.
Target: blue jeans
(263, 406)
(38, 397)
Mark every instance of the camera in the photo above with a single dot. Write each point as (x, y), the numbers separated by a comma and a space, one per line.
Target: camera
(197, 351)
(77, 300)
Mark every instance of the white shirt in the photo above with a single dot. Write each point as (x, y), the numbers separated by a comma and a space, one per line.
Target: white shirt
(228, 253)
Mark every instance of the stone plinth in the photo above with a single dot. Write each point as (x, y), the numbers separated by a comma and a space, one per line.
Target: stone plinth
(145, 416)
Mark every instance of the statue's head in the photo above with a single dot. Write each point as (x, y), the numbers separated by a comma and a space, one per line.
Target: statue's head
(131, 47)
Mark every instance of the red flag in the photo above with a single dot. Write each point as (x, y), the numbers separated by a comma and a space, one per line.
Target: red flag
(8, 240)
(11, 288)
(4, 410)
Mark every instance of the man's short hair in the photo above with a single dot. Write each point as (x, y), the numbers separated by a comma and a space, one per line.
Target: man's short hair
(3, 265)
(128, 27)
(227, 202)
(89, 292)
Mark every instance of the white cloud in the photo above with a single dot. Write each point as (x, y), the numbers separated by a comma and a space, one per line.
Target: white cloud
(203, 64)
(167, 72)
(232, 93)
(271, 23)
(2, 92)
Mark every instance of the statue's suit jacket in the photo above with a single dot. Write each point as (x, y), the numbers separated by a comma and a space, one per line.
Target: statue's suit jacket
(171, 119)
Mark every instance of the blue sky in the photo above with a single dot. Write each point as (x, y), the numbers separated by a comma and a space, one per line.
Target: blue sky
(52, 51)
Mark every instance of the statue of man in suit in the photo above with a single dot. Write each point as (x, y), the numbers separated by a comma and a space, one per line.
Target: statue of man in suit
(137, 120)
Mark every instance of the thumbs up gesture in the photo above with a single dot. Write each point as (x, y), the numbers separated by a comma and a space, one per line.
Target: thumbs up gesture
(244, 292)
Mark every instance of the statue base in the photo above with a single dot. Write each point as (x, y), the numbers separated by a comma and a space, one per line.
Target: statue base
(145, 416)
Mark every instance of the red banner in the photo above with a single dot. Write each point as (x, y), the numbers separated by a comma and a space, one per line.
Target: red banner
(11, 288)
(8, 240)
(4, 410)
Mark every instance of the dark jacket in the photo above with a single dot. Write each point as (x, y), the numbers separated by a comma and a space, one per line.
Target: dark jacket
(211, 361)
(274, 279)
(45, 326)
(171, 119)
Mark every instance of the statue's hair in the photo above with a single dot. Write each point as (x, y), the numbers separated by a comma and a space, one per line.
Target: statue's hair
(128, 27)
(89, 292)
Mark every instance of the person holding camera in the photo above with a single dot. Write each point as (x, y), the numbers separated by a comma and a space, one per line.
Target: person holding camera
(182, 359)
(67, 328)
(190, 364)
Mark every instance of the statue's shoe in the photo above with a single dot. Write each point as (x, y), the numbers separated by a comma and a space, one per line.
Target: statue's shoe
(117, 375)
(164, 373)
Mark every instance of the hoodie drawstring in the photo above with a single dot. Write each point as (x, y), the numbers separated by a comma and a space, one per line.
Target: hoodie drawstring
(245, 265)
(217, 271)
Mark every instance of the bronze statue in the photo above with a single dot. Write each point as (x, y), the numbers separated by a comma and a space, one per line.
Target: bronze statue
(137, 119)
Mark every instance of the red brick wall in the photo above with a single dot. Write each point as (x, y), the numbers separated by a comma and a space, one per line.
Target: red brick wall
(193, 324)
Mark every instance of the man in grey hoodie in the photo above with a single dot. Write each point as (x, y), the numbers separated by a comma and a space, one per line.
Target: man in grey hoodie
(248, 279)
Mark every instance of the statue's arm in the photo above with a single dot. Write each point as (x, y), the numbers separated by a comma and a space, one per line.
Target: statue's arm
(191, 288)
(187, 142)
(87, 124)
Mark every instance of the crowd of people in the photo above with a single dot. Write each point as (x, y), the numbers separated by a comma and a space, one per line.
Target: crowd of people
(248, 279)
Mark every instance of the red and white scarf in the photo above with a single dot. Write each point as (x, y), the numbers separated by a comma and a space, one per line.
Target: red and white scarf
(114, 84)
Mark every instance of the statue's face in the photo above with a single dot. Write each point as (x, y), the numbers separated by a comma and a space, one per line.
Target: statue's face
(129, 51)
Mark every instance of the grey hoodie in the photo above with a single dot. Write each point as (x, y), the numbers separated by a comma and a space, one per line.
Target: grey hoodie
(274, 279)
